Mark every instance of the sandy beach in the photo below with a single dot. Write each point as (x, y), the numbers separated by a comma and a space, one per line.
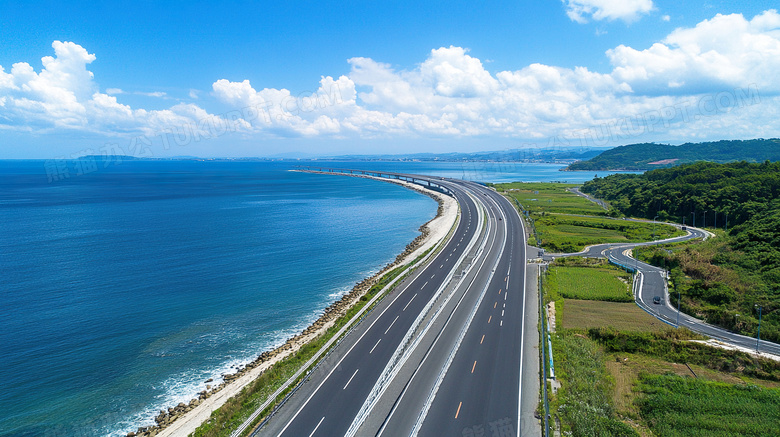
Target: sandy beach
(182, 420)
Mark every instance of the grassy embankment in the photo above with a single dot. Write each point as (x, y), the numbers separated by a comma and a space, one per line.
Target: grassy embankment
(714, 285)
(566, 222)
(623, 372)
(237, 409)
(727, 279)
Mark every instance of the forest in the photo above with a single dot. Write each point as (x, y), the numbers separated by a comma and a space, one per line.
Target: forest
(647, 156)
(725, 279)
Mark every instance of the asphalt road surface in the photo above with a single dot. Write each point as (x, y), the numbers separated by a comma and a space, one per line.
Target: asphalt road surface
(444, 353)
(652, 282)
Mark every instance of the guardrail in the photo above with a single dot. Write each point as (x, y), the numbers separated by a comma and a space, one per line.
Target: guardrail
(419, 180)
(530, 221)
(543, 331)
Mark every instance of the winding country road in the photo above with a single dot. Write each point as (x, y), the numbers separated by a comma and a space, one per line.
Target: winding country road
(651, 281)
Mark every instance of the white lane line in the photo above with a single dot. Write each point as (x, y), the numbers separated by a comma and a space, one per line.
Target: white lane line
(410, 301)
(426, 283)
(350, 380)
(433, 275)
(391, 325)
(502, 313)
(318, 425)
(333, 369)
(501, 324)
(377, 344)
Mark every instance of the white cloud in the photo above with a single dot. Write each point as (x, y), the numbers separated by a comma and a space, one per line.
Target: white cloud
(726, 51)
(450, 94)
(610, 10)
(666, 18)
(159, 94)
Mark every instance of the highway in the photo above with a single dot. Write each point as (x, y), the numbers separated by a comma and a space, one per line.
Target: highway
(443, 354)
(651, 281)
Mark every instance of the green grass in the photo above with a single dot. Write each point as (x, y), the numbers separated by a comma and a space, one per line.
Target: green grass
(676, 406)
(568, 234)
(590, 283)
(584, 402)
(586, 314)
(550, 197)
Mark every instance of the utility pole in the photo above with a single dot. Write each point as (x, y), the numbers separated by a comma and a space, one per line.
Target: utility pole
(704, 217)
(727, 221)
(758, 336)
(678, 307)
(654, 226)
(716, 220)
(693, 214)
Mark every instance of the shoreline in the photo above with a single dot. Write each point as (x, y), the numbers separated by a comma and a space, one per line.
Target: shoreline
(184, 419)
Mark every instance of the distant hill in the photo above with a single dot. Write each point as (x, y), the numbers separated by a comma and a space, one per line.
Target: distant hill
(511, 155)
(648, 156)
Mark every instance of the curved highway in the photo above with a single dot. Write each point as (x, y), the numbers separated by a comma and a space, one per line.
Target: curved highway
(651, 281)
(443, 354)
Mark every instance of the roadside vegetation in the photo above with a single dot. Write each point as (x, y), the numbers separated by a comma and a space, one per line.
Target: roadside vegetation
(624, 373)
(565, 222)
(725, 279)
(578, 278)
(538, 198)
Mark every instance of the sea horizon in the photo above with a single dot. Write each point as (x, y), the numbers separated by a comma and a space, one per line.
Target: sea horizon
(128, 287)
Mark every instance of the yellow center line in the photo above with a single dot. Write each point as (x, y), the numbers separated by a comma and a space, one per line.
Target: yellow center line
(483, 339)
(494, 305)
(458, 412)
(474, 366)
(490, 318)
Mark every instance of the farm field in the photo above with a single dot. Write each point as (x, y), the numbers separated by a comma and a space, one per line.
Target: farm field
(586, 314)
(603, 283)
(681, 406)
(550, 198)
(568, 234)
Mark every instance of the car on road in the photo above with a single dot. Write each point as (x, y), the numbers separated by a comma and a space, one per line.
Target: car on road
(657, 300)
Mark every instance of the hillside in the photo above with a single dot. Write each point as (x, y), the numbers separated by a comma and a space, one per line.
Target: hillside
(724, 279)
(649, 156)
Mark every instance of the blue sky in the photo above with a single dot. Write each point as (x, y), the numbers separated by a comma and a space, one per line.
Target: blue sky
(283, 78)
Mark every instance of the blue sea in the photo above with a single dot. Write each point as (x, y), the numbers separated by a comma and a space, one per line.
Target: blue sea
(124, 289)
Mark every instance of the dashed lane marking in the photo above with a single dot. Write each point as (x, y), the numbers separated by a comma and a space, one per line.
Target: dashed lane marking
(318, 425)
(391, 325)
(350, 379)
(410, 301)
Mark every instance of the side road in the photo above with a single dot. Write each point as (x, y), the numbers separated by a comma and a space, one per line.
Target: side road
(651, 281)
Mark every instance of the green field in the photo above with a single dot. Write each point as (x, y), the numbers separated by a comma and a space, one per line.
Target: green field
(584, 403)
(586, 314)
(549, 197)
(568, 234)
(677, 406)
(590, 283)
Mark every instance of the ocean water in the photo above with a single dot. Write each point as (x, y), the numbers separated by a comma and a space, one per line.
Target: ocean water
(123, 290)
